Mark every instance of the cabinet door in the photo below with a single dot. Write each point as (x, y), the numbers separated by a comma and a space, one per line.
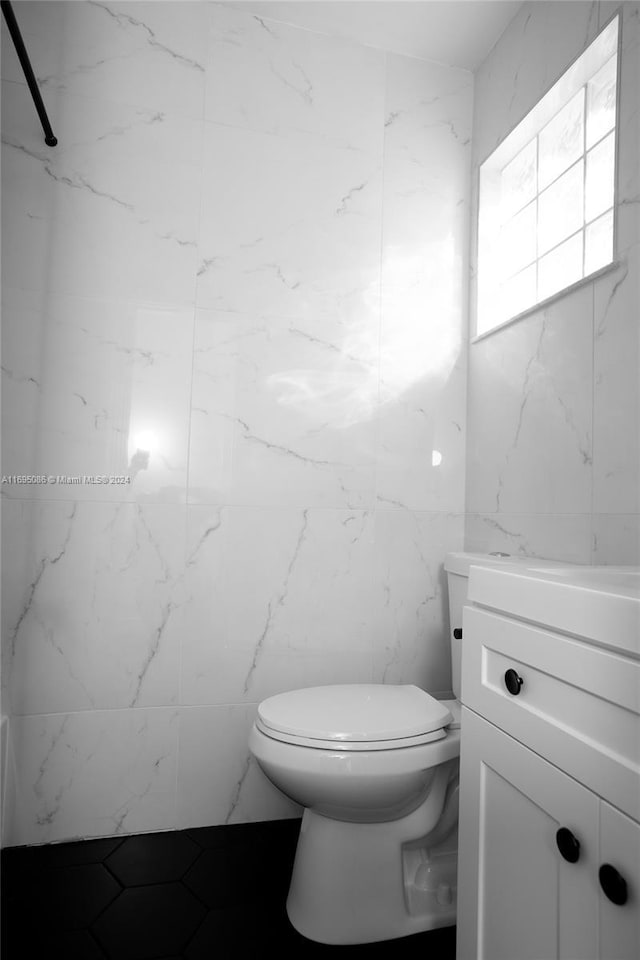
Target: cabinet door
(518, 898)
(620, 850)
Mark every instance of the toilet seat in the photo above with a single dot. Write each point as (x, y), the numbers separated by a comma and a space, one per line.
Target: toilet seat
(354, 717)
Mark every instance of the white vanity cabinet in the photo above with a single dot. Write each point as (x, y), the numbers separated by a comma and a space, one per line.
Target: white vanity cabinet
(549, 828)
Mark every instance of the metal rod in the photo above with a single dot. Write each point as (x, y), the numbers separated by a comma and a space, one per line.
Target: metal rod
(25, 63)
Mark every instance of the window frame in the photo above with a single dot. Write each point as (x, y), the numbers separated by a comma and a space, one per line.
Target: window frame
(600, 271)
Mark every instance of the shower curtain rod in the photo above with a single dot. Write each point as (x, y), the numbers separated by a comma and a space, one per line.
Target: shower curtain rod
(25, 63)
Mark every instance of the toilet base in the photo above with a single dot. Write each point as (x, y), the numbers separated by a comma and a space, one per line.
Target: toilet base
(365, 882)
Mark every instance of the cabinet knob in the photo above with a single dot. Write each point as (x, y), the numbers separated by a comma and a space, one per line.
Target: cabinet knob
(568, 845)
(513, 682)
(457, 633)
(613, 884)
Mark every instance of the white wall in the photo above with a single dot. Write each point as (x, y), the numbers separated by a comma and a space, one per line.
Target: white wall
(240, 279)
(553, 399)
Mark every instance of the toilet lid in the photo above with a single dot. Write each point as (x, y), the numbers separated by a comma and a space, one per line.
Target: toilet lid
(360, 712)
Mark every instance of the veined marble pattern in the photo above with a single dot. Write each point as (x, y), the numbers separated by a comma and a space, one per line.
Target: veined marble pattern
(94, 774)
(112, 211)
(628, 122)
(283, 411)
(533, 52)
(423, 327)
(616, 409)
(218, 779)
(530, 413)
(550, 536)
(149, 55)
(553, 452)
(268, 76)
(411, 599)
(96, 388)
(422, 434)
(91, 593)
(193, 286)
(289, 227)
(278, 599)
(616, 539)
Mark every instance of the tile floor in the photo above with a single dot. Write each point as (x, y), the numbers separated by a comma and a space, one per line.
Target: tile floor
(215, 893)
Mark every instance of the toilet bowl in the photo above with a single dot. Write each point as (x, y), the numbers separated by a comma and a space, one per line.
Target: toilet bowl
(376, 768)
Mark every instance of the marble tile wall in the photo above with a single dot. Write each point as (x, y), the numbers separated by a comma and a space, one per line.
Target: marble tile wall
(239, 283)
(554, 405)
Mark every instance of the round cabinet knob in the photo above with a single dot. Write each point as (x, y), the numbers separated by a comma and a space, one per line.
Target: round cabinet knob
(457, 633)
(568, 845)
(613, 884)
(513, 682)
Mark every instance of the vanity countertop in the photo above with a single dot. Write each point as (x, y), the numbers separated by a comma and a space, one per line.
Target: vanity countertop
(599, 604)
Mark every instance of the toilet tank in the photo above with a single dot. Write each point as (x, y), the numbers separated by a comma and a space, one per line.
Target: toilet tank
(457, 567)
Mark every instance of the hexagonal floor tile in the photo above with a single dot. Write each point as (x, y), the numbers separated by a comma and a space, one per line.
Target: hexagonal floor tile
(220, 873)
(226, 933)
(72, 897)
(153, 921)
(46, 941)
(153, 858)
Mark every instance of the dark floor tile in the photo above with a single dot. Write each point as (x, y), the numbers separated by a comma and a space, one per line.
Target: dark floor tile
(21, 864)
(153, 858)
(240, 932)
(149, 922)
(226, 934)
(256, 857)
(268, 831)
(62, 903)
(47, 942)
(69, 898)
(62, 854)
(260, 871)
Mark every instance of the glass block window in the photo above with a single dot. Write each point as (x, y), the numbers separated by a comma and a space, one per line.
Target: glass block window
(545, 217)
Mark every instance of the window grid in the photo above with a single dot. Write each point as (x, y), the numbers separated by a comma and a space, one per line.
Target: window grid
(538, 193)
(523, 257)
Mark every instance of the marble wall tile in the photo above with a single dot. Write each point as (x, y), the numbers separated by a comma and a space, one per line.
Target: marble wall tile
(628, 174)
(283, 413)
(616, 539)
(7, 781)
(533, 52)
(427, 155)
(96, 388)
(616, 408)
(91, 591)
(268, 76)
(421, 445)
(217, 354)
(423, 326)
(553, 536)
(277, 599)
(246, 556)
(530, 413)
(218, 779)
(112, 211)
(149, 55)
(411, 600)
(553, 434)
(101, 773)
(289, 227)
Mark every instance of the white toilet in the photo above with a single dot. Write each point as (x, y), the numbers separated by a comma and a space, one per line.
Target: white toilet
(376, 768)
